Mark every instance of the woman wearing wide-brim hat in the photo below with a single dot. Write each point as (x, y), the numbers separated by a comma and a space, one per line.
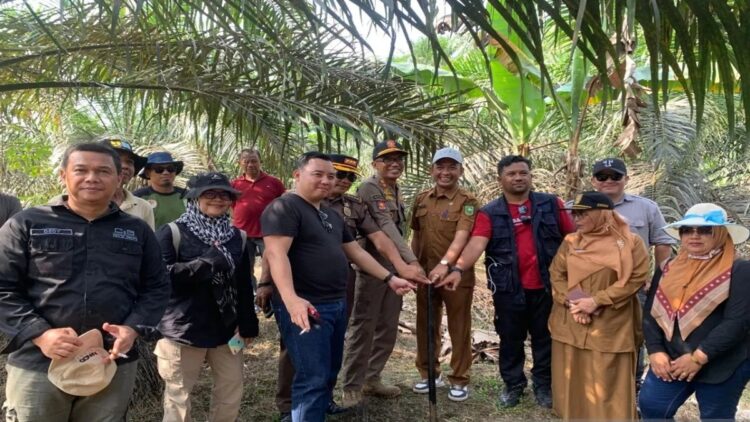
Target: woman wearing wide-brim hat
(210, 313)
(696, 320)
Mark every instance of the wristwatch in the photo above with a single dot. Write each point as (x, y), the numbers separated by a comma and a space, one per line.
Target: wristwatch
(456, 269)
(444, 262)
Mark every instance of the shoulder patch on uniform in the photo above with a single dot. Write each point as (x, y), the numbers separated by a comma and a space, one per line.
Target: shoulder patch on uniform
(469, 210)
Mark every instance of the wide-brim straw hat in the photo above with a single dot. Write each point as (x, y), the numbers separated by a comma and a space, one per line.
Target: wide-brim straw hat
(708, 214)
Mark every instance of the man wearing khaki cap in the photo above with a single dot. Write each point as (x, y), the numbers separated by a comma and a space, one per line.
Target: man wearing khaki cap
(67, 268)
(374, 322)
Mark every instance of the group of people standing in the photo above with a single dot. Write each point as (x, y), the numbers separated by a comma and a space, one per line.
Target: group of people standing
(575, 278)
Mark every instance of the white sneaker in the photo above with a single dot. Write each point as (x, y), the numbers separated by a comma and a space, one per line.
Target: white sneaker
(458, 392)
(423, 387)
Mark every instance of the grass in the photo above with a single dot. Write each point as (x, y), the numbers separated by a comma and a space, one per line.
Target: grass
(260, 385)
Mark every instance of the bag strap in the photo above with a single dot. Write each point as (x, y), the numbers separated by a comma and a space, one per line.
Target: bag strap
(176, 237)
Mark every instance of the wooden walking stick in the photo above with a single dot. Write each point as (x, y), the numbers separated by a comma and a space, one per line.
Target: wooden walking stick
(431, 358)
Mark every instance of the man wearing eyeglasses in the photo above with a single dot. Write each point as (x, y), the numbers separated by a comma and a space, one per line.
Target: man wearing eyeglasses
(519, 233)
(164, 197)
(374, 322)
(610, 176)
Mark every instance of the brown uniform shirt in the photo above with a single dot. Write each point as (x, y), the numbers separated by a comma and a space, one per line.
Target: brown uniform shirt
(387, 208)
(438, 218)
(355, 214)
(618, 328)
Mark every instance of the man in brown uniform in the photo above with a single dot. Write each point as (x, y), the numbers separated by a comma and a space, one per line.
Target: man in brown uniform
(374, 323)
(361, 224)
(441, 221)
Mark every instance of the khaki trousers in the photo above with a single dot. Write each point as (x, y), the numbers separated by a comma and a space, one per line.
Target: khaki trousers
(372, 332)
(458, 312)
(180, 365)
(31, 397)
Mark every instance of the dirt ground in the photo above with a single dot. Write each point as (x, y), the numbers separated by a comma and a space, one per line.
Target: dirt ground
(260, 383)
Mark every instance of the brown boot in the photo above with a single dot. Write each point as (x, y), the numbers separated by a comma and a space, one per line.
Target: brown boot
(377, 388)
(351, 398)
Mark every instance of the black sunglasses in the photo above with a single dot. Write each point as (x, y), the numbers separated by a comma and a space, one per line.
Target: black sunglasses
(160, 170)
(212, 194)
(603, 177)
(324, 221)
(701, 230)
(346, 175)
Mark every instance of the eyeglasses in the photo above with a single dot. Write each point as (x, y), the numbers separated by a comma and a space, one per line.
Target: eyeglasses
(160, 170)
(346, 175)
(701, 230)
(523, 211)
(606, 176)
(324, 221)
(391, 160)
(212, 194)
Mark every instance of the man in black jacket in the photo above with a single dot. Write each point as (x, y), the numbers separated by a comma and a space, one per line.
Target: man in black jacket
(70, 267)
(519, 234)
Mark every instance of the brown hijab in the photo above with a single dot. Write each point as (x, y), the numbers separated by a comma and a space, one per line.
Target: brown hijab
(692, 287)
(609, 245)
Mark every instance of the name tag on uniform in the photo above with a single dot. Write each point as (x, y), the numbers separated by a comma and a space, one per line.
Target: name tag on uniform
(51, 231)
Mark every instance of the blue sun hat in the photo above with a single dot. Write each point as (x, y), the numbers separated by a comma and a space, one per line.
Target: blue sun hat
(708, 214)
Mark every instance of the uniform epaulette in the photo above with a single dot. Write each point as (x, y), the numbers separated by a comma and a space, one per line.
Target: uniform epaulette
(353, 198)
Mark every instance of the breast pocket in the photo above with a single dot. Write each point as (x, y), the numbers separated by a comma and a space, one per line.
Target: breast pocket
(51, 256)
(500, 272)
(124, 259)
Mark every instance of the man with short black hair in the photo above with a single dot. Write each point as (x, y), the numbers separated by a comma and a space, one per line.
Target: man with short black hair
(519, 234)
(164, 197)
(70, 267)
(300, 234)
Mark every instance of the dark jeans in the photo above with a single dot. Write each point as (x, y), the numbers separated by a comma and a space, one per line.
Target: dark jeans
(660, 399)
(513, 326)
(316, 357)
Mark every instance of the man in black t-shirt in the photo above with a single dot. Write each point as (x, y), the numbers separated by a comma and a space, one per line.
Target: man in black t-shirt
(307, 249)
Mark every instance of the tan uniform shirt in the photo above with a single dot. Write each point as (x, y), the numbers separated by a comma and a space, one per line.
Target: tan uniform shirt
(355, 214)
(387, 208)
(617, 328)
(438, 218)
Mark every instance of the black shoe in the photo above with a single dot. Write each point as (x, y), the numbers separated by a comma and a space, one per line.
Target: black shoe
(511, 396)
(285, 417)
(335, 409)
(543, 397)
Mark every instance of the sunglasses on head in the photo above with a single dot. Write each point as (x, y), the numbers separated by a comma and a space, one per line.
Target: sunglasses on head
(701, 230)
(346, 175)
(212, 194)
(160, 170)
(606, 176)
(324, 221)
